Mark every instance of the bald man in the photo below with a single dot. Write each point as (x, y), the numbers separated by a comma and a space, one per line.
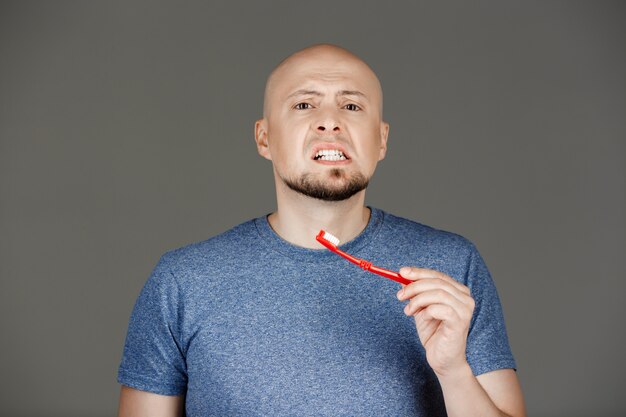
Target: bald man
(261, 320)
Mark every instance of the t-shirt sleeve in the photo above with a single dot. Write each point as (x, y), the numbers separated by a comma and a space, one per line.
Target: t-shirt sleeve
(153, 358)
(487, 343)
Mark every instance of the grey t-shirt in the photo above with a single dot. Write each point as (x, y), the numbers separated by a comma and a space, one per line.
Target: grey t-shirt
(247, 324)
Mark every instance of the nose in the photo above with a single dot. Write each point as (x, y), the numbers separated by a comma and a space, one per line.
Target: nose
(330, 127)
(328, 124)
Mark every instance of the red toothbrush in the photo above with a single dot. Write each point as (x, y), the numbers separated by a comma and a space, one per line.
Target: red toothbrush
(332, 243)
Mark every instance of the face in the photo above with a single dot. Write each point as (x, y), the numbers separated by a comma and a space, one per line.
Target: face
(323, 128)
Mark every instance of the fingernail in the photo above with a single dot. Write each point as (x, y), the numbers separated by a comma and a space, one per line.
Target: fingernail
(404, 271)
(400, 294)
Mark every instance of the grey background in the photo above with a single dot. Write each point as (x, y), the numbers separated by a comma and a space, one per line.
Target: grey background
(126, 129)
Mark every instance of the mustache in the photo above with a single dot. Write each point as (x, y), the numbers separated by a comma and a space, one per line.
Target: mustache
(324, 138)
(339, 139)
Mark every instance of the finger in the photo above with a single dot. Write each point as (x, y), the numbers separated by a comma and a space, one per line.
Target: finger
(439, 312)
(439, 297)
(437, 318)
(414, 274)
(464, 311)
(426, 328)
(424, 285)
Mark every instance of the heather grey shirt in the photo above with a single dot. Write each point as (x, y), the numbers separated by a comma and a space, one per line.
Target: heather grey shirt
(247, 324)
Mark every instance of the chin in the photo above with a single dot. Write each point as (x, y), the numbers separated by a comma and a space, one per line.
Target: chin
(335, 187)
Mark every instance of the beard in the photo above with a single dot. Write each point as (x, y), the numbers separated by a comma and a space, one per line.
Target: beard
(315, 188)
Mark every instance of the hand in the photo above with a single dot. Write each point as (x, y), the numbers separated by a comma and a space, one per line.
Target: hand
(442, 308)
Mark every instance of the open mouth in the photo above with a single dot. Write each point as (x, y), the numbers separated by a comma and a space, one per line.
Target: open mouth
(330, 155)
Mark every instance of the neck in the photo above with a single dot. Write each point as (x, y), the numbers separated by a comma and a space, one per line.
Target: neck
(299, 219)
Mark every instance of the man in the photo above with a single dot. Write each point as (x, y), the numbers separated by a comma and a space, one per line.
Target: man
(262, 320)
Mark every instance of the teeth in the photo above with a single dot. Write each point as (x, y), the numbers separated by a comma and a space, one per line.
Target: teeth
(330, 155)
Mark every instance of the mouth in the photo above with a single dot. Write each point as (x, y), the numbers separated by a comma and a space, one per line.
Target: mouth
(328, 154)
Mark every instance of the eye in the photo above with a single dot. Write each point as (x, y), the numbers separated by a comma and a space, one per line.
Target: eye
(352, 107)
(302, 106)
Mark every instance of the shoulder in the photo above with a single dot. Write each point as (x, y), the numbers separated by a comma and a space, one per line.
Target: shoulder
(416, 244)
(201, 257)
(412, 232)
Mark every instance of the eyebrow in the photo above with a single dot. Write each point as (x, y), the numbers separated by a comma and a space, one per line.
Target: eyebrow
(319, 94)
(351, 93)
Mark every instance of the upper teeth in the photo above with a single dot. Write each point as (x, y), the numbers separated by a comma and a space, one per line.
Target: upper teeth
(330, 155)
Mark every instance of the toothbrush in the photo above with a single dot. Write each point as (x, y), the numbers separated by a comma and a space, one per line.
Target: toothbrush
(332, 243)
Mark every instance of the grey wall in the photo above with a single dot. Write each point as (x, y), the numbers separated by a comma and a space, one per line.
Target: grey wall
(126, 130)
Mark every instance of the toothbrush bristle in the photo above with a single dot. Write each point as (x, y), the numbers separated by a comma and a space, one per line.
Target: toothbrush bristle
(332, 239)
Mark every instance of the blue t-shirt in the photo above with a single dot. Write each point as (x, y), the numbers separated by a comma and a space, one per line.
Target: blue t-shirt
(247, 324)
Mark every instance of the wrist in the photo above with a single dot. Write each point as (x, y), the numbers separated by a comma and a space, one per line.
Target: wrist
(455, 375)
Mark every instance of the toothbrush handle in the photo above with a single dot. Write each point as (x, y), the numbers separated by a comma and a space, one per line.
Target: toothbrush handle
(366, 265)
(389, 274)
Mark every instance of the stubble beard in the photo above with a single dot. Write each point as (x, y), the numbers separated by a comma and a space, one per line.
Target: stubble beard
(313, 187)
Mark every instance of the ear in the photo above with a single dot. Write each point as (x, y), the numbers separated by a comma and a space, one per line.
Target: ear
(260, 137)
(384, 133)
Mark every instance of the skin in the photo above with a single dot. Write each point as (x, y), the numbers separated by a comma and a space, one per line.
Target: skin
(326, 97)
(293, 125)
(136, 403)
(442, 309)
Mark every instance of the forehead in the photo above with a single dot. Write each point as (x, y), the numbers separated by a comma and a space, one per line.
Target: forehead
(324, 71)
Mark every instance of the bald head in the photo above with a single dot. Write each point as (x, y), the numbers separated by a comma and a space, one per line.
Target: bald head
(323, 62)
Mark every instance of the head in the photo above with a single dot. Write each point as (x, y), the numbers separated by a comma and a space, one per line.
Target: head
(322, 124)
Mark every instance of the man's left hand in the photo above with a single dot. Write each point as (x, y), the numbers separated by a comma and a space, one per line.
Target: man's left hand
(442, 308)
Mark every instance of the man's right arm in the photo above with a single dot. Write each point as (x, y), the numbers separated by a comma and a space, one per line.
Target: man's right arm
(136, 403)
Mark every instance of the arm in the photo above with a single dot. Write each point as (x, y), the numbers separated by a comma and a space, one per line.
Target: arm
(443, 309)
(496, 393)
(153, 359)
(136, 403)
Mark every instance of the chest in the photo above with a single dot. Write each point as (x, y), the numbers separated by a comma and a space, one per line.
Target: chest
(320, 340)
